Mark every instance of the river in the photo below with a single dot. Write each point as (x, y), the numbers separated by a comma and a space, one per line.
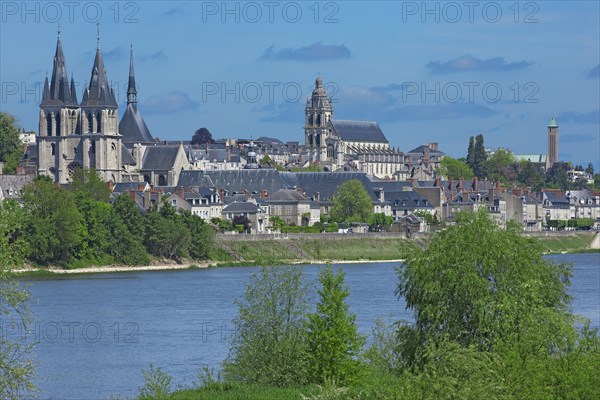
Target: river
(96, 332)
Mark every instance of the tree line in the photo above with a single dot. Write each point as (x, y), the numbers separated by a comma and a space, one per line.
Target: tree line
(78, 226)
(501, 166)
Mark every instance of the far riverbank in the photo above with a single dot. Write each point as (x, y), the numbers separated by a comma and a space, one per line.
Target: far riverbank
(249, 250)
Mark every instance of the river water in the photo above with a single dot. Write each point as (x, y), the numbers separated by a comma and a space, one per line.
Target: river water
(95, 333)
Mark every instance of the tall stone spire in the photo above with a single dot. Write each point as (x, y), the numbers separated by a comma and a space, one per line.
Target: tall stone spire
(132, 125)
(99, 93)
(58, 90)
(131, 90)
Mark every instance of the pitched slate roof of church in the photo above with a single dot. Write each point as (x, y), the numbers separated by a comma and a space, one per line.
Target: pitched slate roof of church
(57, 91)
(160, 157)
(133, 128)
(99, 93)
(359, 131)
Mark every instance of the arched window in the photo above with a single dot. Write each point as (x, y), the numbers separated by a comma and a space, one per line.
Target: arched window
(49, 122)
(90, 123)
(310, 120)
(74, 166)
(162, 180)
(99, 122)
(318, 142)
(147, 178)
(318, 119)
(330, 153)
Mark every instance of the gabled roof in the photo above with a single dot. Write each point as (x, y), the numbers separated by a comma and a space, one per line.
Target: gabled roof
(160, 157)
(421, 149)
(287, 195)
(359, 131)
(133, 127)
(240, 207)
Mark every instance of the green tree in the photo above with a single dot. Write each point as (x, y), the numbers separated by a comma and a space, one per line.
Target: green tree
(86, 184)
(270, 344)
(529, 175)
(166, 237)
(471, 151)
(477, 157)
(16, 365)
(127, 211)
(55, 227)
(557, 175)
(202, 136)
(202, 235)
(10, 146)
(380, 221)
(351, 203)
(484, 288)
(452, 168)
(333, 340)
(501, 166)
(590, 169)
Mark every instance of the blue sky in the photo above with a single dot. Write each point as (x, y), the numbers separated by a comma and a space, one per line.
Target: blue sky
(427, 72)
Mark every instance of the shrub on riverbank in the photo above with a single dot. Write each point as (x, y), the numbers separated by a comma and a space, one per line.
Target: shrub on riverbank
(492, 320)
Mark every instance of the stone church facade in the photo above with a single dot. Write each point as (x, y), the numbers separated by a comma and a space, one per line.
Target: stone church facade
(347, 145)
(78, 135)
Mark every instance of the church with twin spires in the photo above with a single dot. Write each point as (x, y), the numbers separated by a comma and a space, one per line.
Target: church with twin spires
(88, 134)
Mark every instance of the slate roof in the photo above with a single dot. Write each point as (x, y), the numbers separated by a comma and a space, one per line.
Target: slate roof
(57, 91)
(126, 157)
(133, 128)
(159, 157)
(286, 195)
(557, 200)
(359, 131)
(421, 149)
(99, 93)
(240, 207)
(413, 200)
(11, 186)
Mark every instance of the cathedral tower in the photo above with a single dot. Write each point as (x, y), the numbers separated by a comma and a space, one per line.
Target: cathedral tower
(75, 136)
(552, 156)
(319, 113)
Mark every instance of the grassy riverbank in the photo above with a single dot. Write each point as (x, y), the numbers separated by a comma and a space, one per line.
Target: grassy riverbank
(245, 251)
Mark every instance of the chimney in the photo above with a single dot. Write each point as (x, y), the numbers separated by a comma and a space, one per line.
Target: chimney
(299, 189)
(213, 189)
(111, 186)
(222, 195)
(181, 192)
(491, 197)
(460, 183)
(436, 182)
(451, 183)
(246, 194)
(484, 183)
(497, 184)
(147, 202)
(475, 182)
(132, 195)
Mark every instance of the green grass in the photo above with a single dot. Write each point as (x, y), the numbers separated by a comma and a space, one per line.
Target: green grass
(577, 243)
(354, 249)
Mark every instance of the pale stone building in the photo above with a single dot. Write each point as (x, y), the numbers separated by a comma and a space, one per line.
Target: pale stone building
(73, 135)
(346, 145)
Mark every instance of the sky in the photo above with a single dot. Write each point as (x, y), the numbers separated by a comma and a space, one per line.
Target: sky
(425, 71)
